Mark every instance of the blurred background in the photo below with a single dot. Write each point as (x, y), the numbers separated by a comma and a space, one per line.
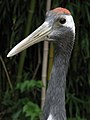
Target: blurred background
(21, 76)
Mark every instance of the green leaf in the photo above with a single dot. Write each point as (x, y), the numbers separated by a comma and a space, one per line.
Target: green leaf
(32, 84)
(16, 115)
(28, 85)
(32, 110)
(39, 84)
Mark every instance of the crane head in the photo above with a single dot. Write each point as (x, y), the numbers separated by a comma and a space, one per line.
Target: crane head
(58, 27)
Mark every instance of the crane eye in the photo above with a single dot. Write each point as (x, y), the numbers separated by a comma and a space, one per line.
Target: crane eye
(62, 20)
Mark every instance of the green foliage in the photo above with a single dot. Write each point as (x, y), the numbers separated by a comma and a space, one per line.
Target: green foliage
(28, 85)
(7, 99)
(24, 107)
(31, 110)
(16, 115)
(77, 118)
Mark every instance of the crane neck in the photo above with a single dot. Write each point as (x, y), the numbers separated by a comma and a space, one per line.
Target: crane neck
(54, 108)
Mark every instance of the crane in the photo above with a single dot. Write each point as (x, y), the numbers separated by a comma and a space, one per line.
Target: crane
(58, 28)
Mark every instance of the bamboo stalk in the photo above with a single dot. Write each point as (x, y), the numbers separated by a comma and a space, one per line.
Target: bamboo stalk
(44, 64)
(51, 56)
(5, 69)
(38, 64)
(28, 26)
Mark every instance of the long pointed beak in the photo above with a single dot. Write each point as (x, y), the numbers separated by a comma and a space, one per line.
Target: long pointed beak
(37, 36)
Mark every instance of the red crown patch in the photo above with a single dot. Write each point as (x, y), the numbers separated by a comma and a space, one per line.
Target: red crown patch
(61, 10)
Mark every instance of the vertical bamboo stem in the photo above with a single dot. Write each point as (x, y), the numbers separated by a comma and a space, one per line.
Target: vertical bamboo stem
(28, 26)
(51, 56)
(5, 69)
(44, 65)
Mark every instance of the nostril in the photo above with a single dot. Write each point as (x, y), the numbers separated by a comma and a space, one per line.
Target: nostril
(48, 38)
